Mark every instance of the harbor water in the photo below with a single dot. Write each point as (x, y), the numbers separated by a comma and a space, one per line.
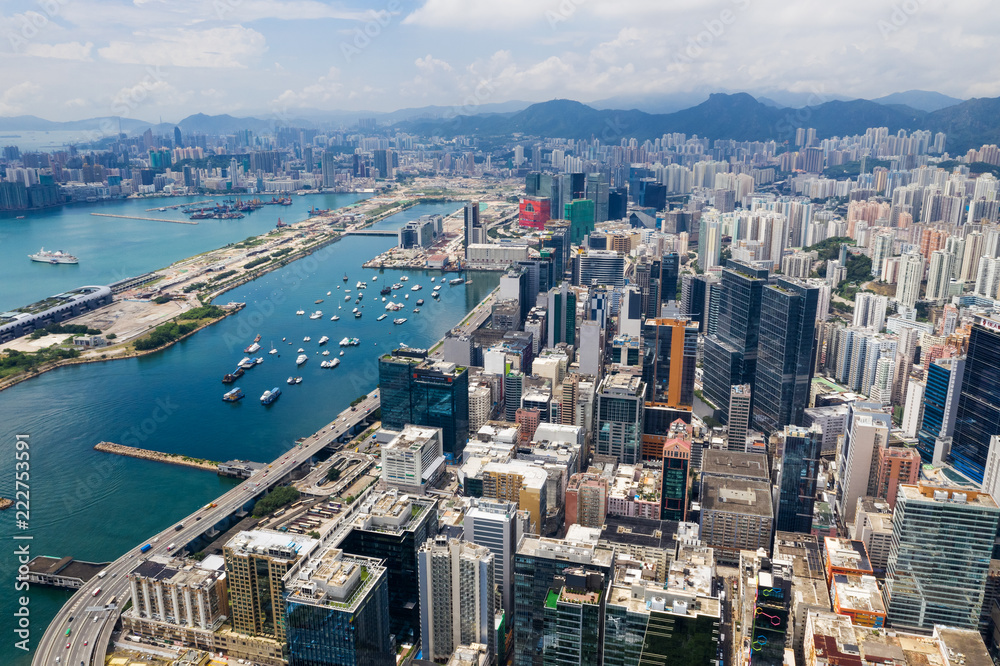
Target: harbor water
(94, 506)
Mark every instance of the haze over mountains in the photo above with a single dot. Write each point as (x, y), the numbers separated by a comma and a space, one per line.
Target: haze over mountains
(738, 116)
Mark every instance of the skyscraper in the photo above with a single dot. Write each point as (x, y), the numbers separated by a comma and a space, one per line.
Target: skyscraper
(940, 406)
(674, 488)
(574, 619)
(338, 612)
(731, 353)
(740, 398)
(456, 581)
(414, 389)
(620, 417)
(474, 232)
(978, 416)
(561, 316)
(942, 539)
(580, 214)
(784, 353)
(498, 525)
(797, 480)
(670, 349)
(939, 275)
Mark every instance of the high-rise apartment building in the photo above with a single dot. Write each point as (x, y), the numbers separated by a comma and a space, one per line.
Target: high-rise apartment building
(457, 604)
(942, 542)
(586, 500)
(474, 231)
(911, 274)
(619, 417)
(256, 564)
(498, 526)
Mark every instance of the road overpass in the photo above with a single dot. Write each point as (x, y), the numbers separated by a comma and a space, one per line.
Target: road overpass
(89, 639)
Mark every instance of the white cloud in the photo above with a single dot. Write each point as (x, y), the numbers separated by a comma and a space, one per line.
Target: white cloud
(76, 103)
(13, 98)
(324, 89)
(64, 51)
(480, 15)
(230, 47)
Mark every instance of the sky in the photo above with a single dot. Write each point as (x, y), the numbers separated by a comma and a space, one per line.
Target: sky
(153, 59)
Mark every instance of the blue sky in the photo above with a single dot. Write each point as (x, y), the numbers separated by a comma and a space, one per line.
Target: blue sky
(69, 59)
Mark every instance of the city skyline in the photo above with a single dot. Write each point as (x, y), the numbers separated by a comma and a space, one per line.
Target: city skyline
(146, 60)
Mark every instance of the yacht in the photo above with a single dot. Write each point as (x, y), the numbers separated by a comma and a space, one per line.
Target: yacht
(416, 287)
(316, 315)
(300, 312)
(335, 318)
(302, 358)
(404, 278)
(347, 297)
(324, 340)
(307, 339)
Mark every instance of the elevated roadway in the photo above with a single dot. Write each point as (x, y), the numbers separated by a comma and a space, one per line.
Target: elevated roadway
(89, 638)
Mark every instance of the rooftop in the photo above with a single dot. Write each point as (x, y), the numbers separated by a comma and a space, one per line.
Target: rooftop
(269, 543)
(858, 593)
(335, 580)
(737, 496)
(735, 464)
(847, 554)
(940, 494)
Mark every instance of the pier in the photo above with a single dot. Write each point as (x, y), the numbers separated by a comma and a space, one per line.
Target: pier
(149, 219)
(371, 232)
(146, 454)
(176, 206)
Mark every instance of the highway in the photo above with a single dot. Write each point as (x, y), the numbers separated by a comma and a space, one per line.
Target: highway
(89, 638)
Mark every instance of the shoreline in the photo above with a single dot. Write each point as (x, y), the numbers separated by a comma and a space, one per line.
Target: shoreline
(331, 237)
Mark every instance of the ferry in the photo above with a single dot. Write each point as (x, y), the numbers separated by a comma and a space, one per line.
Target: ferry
(268, 397)
(316, 315)
(401, 320)
(233, 396)
(254, 346)
(57, 257)
(456, 281)
(300, 359)
(324, 340)
(300, 312)
(382, 316)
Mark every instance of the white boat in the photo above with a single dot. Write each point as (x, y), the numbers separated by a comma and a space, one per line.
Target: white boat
(404, 278)
(326, 352)
(407, 297)
(57, 257)
(335, 318)
(273, 350)
(456, 281)
(397, 286)
(355, 311)
(300, 350)
(416, 287)
(382, 316)
(258, 360)
(254, 346)
(347, 297)
(374, 278)
(307, 339)
(316, 315)
(300, 312)
(416, 309)
(328, 293)
(246, 363)
(324, 340)
(341, 353)
(383, 299)
(432, 279)
(401, 320)
(302, 358)
(437, 287)
(335, 362)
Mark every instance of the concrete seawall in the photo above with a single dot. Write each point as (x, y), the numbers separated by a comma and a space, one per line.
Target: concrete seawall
(145, 454)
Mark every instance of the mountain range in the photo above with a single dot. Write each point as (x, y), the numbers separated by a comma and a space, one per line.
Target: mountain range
(738, 116)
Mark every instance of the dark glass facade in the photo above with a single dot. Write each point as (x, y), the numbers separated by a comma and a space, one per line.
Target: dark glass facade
(799, 465)
(731, 353)
(399, 550)
(426, 394)
(784, 354)
(935, 400)
(979, 402)
(669, 375)
(336, 635)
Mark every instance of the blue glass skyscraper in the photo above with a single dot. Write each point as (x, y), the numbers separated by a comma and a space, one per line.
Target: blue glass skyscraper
(979, 401)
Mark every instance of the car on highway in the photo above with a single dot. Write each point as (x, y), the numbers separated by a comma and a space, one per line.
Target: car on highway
(67, 646)
(86, 643)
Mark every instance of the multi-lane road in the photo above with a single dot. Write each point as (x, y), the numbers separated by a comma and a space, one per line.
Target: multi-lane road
(91, 630)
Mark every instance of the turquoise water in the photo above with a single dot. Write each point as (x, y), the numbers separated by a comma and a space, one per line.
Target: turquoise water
(94, 506)
(111, 249)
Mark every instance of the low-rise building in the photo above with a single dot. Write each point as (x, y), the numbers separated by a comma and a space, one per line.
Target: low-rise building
(736, 515)
(413, 460)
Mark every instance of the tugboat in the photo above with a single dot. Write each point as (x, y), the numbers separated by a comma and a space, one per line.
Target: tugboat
(268, 397)
(233, 396)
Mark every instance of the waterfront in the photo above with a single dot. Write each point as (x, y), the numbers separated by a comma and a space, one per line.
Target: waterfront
(93, 505)
(111, 249)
